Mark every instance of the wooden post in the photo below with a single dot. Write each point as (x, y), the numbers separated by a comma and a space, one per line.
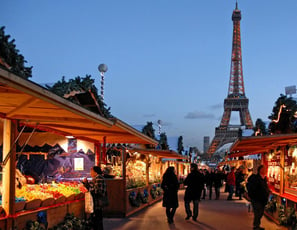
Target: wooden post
(104, 156)
(98, 156)
(124, 159)
(8, 182)
(283, 152)
(161, 168)
(147, 168)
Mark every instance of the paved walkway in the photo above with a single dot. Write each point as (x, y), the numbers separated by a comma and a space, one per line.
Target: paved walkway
(213, 215)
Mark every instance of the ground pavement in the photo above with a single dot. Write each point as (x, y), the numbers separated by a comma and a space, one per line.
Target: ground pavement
(213, 215)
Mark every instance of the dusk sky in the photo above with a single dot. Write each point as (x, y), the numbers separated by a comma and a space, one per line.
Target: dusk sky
(167, 60)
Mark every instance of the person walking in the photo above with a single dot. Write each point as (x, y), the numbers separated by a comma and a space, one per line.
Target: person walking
(258, 192)
(231, 183)
(97, 188)
(217, 181)
(194, 184)
(210, 182)
(204, 174)
(226, 170)
(239, 179)
(170, 187)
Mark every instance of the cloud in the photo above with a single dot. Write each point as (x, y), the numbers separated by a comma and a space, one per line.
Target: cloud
(199, 115)
(149, 115)
(217, 106)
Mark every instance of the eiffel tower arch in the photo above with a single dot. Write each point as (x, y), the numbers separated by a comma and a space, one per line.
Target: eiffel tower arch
(236, 100)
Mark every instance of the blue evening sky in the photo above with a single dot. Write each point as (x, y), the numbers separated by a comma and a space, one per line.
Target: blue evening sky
(168, 60)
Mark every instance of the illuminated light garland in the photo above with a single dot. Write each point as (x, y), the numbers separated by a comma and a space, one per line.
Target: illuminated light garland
(102, 85)
(279, 113)
(258, 132)
(102, 69)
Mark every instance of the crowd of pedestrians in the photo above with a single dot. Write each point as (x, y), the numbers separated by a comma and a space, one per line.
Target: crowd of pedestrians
(202, 183)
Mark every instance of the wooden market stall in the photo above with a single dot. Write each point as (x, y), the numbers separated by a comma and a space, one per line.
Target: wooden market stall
(138, 186)
(248, 163)
(181, 165)
(26, 104)
(279, 154)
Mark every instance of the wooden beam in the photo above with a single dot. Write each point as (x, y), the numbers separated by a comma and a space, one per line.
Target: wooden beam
(30, 101)
(85, 128)
(32, 89)
(44, 119)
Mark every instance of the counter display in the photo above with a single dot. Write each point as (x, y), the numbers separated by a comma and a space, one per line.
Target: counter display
(53, 190)
(41, 195)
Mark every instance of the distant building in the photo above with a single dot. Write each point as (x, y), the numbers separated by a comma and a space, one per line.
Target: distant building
(205, 143)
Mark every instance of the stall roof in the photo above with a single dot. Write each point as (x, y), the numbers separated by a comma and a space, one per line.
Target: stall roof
(35, 106)
(170, 154)
(259, 144)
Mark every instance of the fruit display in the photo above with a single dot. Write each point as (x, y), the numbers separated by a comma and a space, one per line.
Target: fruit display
(54, 190)
(31, 196)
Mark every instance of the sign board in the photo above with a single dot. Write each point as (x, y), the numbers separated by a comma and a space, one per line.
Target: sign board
(78, 164)
(290, 90)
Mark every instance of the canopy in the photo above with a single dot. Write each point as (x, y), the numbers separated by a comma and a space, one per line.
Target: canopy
(260, 144)
(35, 106)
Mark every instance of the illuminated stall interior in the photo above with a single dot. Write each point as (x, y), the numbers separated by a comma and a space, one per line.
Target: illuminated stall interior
(26, 104)
(150, 164)
(290, 171)
(279, 154)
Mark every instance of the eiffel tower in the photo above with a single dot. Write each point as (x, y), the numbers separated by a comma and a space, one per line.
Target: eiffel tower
(236, 99)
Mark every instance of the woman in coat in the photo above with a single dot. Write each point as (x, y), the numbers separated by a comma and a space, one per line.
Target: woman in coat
(170, 187)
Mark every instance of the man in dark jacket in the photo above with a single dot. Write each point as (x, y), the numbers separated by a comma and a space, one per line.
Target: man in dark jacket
(239, 178)
(258, 191)
(217, 182)
(194, 183)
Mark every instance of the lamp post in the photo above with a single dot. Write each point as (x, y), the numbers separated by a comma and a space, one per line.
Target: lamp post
(159, 126)
(102, 69)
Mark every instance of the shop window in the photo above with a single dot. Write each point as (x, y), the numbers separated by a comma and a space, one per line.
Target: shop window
(154, 169)
(274, 171)
(136, 172)
(290, 173)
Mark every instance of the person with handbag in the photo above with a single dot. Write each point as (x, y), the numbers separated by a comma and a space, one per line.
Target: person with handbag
(97, 188)
(170, 187)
